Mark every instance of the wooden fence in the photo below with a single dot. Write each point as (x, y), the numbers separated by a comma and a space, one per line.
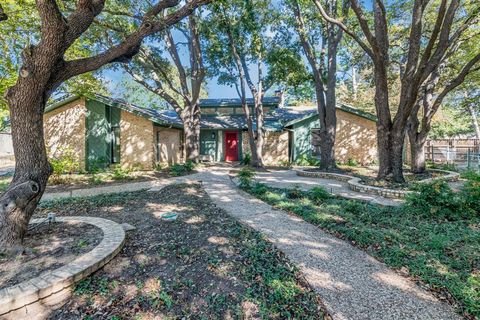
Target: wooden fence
(461, 152)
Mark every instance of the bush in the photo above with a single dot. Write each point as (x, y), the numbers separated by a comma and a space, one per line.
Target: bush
(305, 160)
(351, 163)
(247, 159)
(119, 173)
(470, 194)
(319, 194)
(67, 163)
(471, 175)
(245, 177)
(294, 193)
(177, 170)
(436, 200)
(181, 169)
(285, 164)
(189, 165)
(259, 189)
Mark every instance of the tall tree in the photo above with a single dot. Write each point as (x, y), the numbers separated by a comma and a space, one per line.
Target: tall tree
(180, 88)
(425, 50)
(239, 40)
(44, 68)
(323, 65)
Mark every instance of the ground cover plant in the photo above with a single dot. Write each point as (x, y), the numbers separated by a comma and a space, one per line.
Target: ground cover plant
(204, 265)
(434, 238)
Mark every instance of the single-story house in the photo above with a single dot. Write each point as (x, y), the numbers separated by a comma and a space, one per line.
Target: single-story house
(102, 131)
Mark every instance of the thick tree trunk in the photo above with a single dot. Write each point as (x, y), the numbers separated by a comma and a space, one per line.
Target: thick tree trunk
(192, 133)
(417, 158)
(260, 136)
(474, 120)
(251, 137)
(32, 169)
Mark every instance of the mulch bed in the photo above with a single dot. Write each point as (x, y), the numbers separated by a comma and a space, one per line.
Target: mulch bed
(48, 247)
(204, 265)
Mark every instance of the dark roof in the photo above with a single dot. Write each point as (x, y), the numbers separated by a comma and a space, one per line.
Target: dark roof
(275, 120)
(236, 102)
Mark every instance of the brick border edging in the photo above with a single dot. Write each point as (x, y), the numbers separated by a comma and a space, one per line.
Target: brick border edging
(61, 279)
(355, 184)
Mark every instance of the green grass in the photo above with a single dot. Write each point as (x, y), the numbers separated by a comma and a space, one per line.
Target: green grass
(4, 182)
(443, 254)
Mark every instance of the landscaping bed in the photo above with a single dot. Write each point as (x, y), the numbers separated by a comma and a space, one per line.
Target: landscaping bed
(48, 247)
(433, 239)
(204, 265)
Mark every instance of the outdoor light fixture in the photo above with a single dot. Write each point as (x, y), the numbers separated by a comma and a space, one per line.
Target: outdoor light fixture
(213, 135)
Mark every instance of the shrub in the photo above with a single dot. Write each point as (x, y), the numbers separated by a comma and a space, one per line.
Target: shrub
(351, 163)
(245, 177)
(471, 175)
(294, 193)
(177, 170)
(247, 159)
(319, 194)
(305, 160)
(119, 173)
(259, 189)
(436, 200)
(66, 163)
(189, 165)
(470, 194)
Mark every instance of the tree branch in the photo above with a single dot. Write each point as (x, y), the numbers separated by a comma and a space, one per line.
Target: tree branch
(361, 43)
(3, 15)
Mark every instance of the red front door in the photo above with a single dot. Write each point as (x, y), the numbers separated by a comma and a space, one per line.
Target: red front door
(231, 146)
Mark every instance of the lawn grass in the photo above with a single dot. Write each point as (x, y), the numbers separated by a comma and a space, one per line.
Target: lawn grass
(204, 265)
(443, 254)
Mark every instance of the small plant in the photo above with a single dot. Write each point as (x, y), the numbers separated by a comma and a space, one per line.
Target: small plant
(259, 189)
(82, 243)
(189, 166)
(319, 194)
(177, 170)
(470, 194)
(436, 200)
(294, 193)
(471, 175)
(305, 160)
(351, 163)
(245, 177)
(166, 299)
(120, 173)
(285, 164)
(247, 159)
(95, 179)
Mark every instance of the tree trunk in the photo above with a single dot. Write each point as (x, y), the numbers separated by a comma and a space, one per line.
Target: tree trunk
(192, 133)
(260, 136)
(32, 169)
(474, 120)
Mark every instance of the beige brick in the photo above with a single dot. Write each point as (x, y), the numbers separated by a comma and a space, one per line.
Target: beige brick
(64, 129)
(136, 142)
(275, 148)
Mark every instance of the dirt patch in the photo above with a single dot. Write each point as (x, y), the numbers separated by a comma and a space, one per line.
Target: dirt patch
(204, 265)
(48, 247)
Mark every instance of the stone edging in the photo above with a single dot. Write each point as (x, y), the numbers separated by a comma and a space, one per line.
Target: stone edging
(52, 284)
(355, 184)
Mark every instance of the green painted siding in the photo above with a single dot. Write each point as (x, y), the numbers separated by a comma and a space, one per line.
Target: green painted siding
(99, 135)
(220, 139)
(302, 138)
(208, 144)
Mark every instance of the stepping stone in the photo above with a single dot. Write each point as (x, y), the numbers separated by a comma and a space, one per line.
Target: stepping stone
(128, 227)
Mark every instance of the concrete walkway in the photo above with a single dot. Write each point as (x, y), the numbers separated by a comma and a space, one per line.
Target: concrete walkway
(352, 284)
(288, 179)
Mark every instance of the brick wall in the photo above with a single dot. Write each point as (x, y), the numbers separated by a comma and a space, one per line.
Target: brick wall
(356, 138)
(64, 129)
(169, 148)
(275, 148)
(136, 142)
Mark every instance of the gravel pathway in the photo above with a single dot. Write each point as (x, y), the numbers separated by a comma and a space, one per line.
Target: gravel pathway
(352, 284)
(288, 178)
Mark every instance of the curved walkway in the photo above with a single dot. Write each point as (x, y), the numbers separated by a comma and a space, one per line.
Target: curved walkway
(351, 284)
(289, 178)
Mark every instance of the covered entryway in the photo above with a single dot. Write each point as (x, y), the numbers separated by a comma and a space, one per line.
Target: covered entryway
(231, 146)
